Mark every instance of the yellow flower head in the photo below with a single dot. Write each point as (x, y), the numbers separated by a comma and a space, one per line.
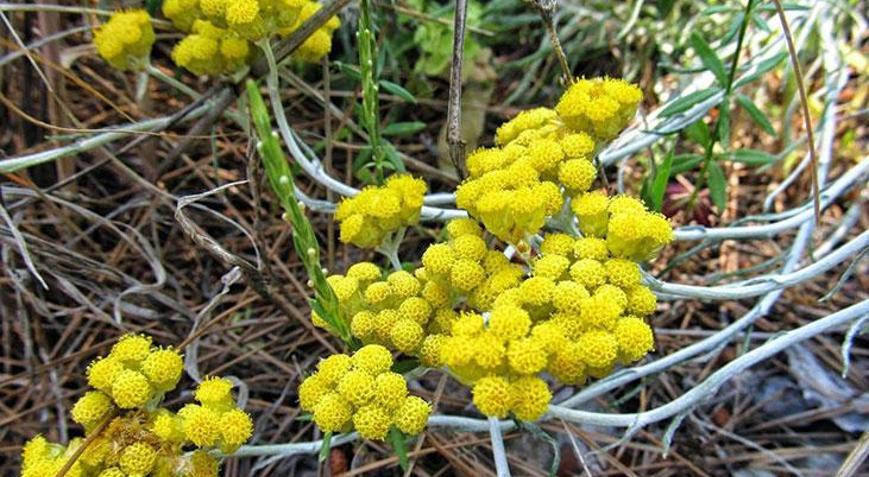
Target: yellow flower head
(332, 412)
(138, 458)
(406, 335)
(131, 349)
(593, 248)
(577, 146)
(163, 368)
(465, 226)
(588, 273)
(236, 428)
(537, 290)
(529, 398)
(526, 355)
(102, 373)
(492, 396)
(591, 210)
(525, 121)
(416, 309)
(201, 425)
(404, 284)
(131, 389)
(389, 390)
(641, 301)
(430, 351)
(577, 175)
(598, 349)
(372, 422)
(601, 107)
(373, 358)
(364, 272)
(214, 392)
(551, 266)
(311, 390)
(557, 244)
(125, 40)
(334, 367)
(439, 258)
(91, 409)
(568, 296)
(509, 322)
(466, 275)
(412, 416)
(357, 387)
(489, 351)
(634, 338)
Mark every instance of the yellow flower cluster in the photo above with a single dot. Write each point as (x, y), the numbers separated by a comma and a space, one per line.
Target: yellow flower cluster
(601, 107)
(125, 40)
(133, 374)
(375, 212)
(543, 155)
(222, 32)
(360, 392)
(141, 438)
(629, 230)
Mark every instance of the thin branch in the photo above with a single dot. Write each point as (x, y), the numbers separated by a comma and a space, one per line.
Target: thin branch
(804, 101)
(546, 8)
(454, 105)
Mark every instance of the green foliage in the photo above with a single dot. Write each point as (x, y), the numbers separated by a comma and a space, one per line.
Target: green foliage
(280, 177)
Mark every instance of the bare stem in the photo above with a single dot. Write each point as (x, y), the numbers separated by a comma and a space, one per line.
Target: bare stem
(454, 105)
(545, 8)
(804, 102)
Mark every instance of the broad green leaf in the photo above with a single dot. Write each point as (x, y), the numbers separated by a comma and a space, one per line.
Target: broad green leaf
(709, 58)
(659, 185)
(717, 185)
(403, 128)
(684, 103)
(756, 114)
(398, 90)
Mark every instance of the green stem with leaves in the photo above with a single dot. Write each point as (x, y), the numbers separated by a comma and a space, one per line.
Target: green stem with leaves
(724, 111)
(370, 102)
(324, 303)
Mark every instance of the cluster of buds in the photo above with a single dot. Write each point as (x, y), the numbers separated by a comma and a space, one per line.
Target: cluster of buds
(130, 433)
(360, 393)
(376, 212)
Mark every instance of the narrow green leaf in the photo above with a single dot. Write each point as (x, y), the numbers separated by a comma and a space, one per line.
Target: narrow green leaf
(398, 90)
(405, 366)
(396, 438)
(699, 133)
(724, 125)
(709, 58)
(352, 71)
(717, 185)
(751, 157)
(326, 448)
(756, 114)
(762, 68)
(684, 103)
(393, 158)
(153, 7)
(659, 185)
(685, 162)
(403, 128)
